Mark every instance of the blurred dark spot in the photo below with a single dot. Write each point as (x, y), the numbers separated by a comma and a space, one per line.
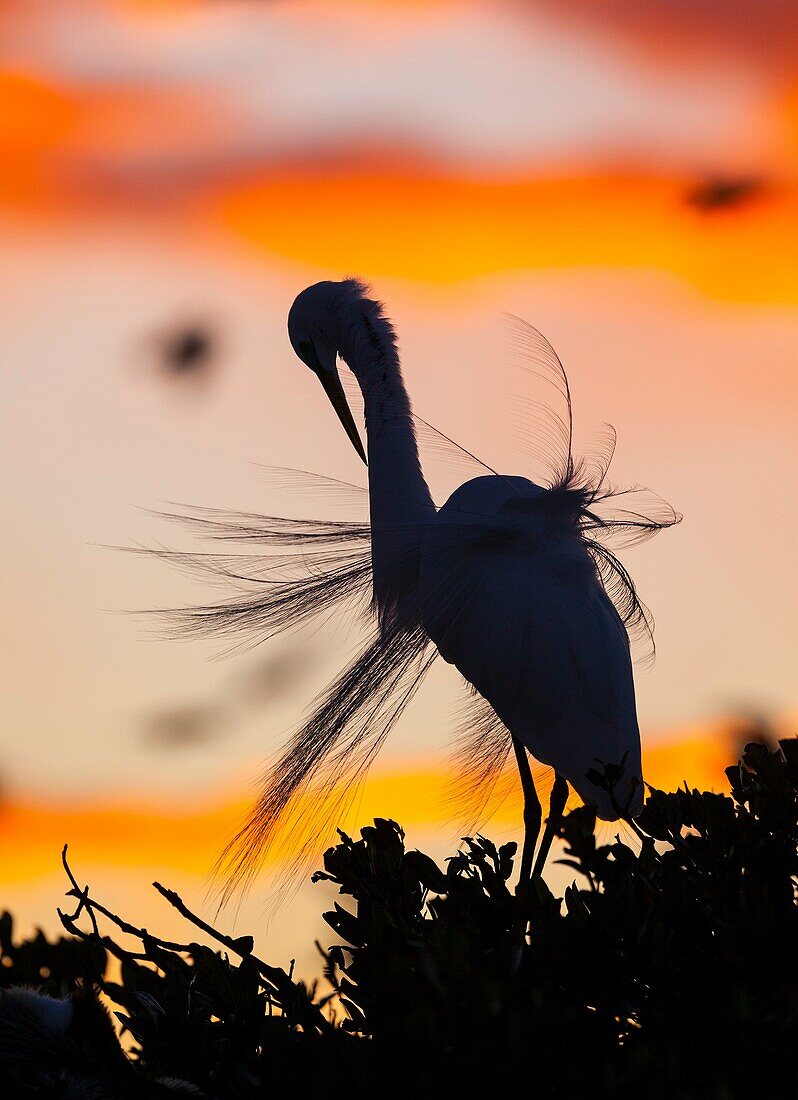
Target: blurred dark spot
(277, 674)
(183, 726)
(189, 351)
(720, 193)
(753, 728)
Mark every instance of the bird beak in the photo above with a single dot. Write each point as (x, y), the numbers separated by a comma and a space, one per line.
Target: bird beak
(335, 391)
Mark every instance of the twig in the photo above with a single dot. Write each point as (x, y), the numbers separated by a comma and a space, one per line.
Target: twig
(282, 983)
(274, 973)
(82, 895)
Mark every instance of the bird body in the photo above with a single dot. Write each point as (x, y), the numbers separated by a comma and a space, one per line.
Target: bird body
(499, 577)
(510, 581)
(512, 600)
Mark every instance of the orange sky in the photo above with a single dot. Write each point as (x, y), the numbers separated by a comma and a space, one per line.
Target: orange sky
(401, 222)
(388, 214)
(155, 163)
(190, 838)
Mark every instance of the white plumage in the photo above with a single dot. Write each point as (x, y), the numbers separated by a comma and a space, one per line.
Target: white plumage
(510, 581)
(531, 627)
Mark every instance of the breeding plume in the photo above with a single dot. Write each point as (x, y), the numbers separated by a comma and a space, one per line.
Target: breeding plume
(510, 581)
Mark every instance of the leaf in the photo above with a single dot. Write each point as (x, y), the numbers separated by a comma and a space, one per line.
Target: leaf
(357, 1019)
(506, 856)
(426, 870)
(345, 924)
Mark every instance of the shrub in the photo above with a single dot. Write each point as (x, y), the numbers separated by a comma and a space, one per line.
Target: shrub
(669, 967)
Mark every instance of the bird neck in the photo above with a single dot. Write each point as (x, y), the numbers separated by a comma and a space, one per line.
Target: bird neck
(399, 500)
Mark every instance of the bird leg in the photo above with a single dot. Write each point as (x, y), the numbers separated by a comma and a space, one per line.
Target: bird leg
(532, 811)
(559, 796)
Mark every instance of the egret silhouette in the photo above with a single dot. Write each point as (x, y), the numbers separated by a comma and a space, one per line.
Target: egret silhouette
(509, 581)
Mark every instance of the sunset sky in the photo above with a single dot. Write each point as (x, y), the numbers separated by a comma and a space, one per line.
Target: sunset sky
(175, 163)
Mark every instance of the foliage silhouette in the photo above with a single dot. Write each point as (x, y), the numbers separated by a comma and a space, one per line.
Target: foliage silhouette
(669, 967)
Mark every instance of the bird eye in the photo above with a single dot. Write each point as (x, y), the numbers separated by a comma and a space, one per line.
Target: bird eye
(308, 355)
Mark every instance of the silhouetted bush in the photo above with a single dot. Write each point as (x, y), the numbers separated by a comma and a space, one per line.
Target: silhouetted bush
(668, 968)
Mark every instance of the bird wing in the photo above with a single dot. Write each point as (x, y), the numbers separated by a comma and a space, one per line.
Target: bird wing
(529, 625)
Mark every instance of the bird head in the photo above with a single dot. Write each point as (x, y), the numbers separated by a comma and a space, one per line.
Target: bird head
(315, 330)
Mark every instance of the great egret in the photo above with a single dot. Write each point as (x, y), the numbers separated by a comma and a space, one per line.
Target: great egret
(509, 581)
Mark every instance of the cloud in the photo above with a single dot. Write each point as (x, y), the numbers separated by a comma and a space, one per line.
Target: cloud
(477, 86)
(748, 30)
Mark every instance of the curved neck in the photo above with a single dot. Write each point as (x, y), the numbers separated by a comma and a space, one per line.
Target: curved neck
(399, 500)
(397, 488)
